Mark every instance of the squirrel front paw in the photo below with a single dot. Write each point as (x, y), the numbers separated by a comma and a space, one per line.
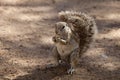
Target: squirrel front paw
(62, 41)
(54, 39)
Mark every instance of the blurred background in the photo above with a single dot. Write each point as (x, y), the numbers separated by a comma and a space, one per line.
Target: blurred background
(25, 40)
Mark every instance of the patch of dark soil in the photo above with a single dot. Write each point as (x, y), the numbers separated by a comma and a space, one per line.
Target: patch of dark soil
(44, 74)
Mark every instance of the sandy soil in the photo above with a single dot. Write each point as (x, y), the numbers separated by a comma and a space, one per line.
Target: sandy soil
(25, 40)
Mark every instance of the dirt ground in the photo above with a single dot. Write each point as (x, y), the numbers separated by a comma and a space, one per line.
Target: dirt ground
(25, 40)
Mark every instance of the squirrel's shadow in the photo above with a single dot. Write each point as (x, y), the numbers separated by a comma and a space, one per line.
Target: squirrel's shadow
(45, 74)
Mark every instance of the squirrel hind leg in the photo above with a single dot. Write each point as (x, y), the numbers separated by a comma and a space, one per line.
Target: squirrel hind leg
(56, 55)
(74, 61)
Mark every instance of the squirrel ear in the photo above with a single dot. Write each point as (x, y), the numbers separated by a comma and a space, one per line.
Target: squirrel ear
(66, 24)
(55, 26)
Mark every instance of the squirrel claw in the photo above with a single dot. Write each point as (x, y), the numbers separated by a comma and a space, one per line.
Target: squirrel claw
(70, 71)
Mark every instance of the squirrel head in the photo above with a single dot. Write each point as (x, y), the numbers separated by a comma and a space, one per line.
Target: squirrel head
(62, 29)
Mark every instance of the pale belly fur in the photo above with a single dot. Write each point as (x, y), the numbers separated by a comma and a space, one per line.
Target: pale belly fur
(65, 50)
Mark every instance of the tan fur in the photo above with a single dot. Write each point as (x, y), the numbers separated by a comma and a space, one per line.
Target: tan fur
(83, 26)
(75, 38)
(66, 48)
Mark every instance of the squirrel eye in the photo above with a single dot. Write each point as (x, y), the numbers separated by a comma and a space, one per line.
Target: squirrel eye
(62, 28)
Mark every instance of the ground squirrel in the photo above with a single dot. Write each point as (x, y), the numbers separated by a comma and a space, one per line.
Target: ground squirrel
(83, 26)
(73, 36)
